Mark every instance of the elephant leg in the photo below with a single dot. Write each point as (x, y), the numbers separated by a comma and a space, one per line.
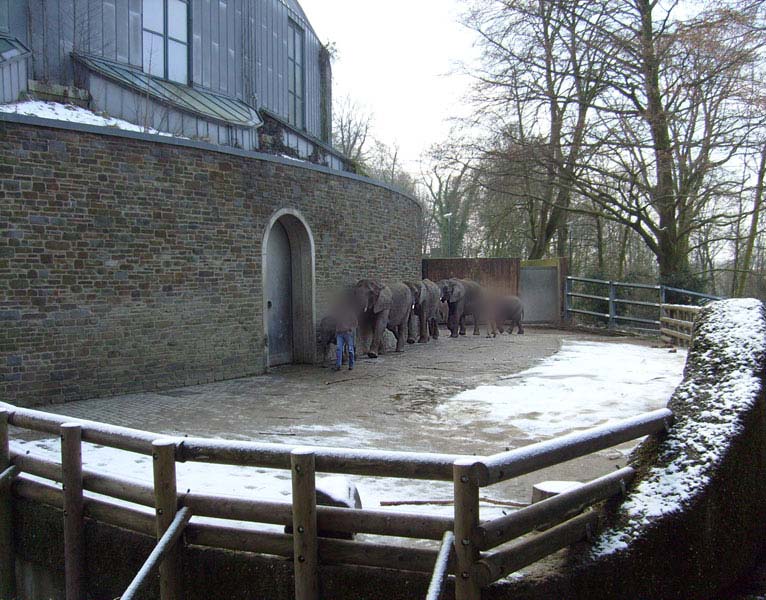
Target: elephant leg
(434, 325)
(521, 329)
(491, 327)
(462, 324)
(401, 337)
(476, 330)
(411, 330)
(377, 336)
(424, 327)
(454, 323)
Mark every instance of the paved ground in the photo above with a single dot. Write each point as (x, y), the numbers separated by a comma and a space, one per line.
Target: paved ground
(389, 403)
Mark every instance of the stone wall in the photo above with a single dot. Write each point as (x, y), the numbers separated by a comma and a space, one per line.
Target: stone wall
(128, 263)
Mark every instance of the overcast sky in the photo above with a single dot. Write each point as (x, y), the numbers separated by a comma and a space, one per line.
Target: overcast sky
(398, 58)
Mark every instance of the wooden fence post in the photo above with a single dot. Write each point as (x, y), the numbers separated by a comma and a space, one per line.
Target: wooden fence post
(305, 545)
(612, 305)
(7, 560)
(166, 505)
(71, 478)
(466, 524)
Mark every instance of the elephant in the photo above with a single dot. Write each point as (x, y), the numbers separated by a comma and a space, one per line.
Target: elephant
(465, 297)
(425, 305)
(509, 308)
(381, 306)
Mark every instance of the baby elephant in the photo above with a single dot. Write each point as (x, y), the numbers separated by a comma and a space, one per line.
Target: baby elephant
(509, 308)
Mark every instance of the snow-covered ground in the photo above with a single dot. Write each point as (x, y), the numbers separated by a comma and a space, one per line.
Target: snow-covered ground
(583, 385)
(73, 114)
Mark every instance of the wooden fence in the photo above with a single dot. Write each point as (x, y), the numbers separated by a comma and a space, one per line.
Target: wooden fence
(499, 274)
(677, 323)
(477, 552)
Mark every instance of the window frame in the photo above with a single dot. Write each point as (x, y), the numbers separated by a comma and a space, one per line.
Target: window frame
(296, 103)
(167, 42)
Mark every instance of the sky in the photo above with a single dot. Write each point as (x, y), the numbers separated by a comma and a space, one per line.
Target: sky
(398, 59)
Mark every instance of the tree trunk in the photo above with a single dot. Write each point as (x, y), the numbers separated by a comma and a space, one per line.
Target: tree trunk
(744, 268)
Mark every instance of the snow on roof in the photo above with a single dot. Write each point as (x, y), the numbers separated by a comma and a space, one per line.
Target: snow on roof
(73, 114)
(721, 385)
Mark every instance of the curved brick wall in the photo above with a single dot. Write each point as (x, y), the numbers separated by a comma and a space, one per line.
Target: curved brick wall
(128, 263)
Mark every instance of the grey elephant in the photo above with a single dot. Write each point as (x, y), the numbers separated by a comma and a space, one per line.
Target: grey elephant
(425, 305)
(381, 306)
(465, 297)
(509, 308)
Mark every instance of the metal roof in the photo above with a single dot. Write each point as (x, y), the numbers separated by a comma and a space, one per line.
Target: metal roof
(190, 99)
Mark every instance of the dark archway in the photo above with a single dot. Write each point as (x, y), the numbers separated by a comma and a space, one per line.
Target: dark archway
(289, 290)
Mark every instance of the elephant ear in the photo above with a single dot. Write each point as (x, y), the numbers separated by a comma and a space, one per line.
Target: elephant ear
(457, 292)
(384, 300)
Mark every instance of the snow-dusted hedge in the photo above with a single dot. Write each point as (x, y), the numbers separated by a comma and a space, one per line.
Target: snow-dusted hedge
(692, 522)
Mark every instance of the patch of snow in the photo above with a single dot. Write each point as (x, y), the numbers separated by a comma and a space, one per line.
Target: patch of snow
(728, 384)
(583, 385)
(74, 114)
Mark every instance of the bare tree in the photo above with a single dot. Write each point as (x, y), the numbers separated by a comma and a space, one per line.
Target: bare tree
(351, 129)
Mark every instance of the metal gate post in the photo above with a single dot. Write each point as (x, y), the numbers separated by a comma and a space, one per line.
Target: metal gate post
(612, 306)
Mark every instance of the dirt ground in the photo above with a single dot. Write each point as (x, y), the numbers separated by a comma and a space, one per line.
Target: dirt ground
(388, 403)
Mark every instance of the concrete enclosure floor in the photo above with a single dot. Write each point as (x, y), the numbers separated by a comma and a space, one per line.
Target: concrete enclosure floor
(389, 403)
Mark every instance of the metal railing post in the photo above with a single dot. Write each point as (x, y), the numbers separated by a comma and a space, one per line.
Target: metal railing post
(71, 478)
(305, 543)
(612, 304)
(166, 505)
(7, 560)
(466, 525)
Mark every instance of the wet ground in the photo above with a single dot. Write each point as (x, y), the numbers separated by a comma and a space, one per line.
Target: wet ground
(395, 402)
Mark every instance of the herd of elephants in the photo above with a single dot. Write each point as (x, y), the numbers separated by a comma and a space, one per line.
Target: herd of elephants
(378, 307)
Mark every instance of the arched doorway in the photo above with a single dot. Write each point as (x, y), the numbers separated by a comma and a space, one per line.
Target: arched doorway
(288, 290)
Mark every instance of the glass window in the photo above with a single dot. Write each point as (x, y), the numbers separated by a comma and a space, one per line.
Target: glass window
(178, 62)
(154, 16)
(178, 24)
(154, 54)
(165, 38)
(295, 76)
(5, 23)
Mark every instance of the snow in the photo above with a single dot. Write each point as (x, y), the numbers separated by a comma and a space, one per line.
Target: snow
(557, 487)
(73, 114)
(724, 384)
(583, 385)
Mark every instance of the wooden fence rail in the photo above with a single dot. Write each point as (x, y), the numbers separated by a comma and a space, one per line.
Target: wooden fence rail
(677, 323)
(477, 552)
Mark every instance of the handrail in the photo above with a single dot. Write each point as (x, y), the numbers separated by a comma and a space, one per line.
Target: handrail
(526, 459)
(508, 560)
(552, 510)
(468, 473)
(164, 546)
(350, 461)
(441, 568)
